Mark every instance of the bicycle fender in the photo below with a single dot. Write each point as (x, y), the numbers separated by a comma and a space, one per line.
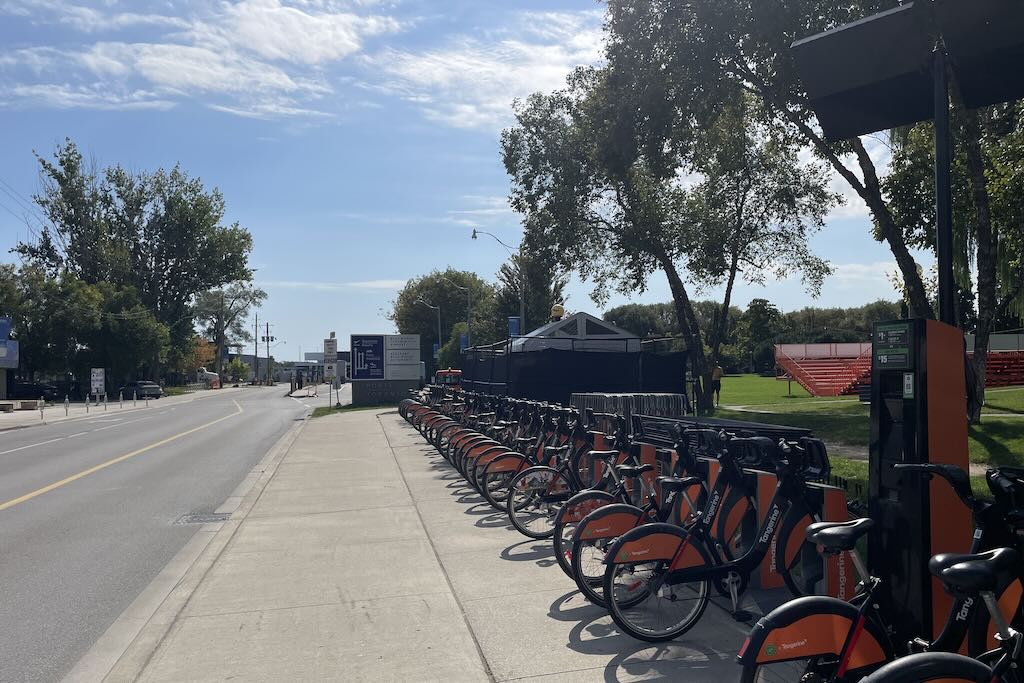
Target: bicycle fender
(813, 626)
(510, 462)
(657, 541)
(609, 521)
(582, 504)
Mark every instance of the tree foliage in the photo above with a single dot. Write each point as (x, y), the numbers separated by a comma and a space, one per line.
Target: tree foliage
(614, 210)
(545, 287)
(438, 288)
(223, 313)
(160, 234)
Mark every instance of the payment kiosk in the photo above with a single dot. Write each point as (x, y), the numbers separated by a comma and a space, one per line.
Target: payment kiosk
(918, 415)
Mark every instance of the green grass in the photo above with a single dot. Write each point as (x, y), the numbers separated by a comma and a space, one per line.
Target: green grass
(176, 391)
(844, 422)
(333, 410)
(1005, 401)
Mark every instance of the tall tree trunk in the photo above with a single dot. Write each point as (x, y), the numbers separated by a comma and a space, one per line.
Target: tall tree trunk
(986, 257)
(691, 335)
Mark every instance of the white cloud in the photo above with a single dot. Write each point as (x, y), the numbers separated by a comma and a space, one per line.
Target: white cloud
(471, 82)
(254, 58)
(859, 275)
(63, 96)
(278, 32)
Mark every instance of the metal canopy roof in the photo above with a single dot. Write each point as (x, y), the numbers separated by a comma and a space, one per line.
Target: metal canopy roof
(874, 73)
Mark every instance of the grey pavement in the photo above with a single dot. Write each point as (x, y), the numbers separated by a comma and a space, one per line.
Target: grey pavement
(94, 509)
(362, 556)
(77, 411)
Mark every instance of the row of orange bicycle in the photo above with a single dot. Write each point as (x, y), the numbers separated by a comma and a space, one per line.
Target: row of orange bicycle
(652, 532)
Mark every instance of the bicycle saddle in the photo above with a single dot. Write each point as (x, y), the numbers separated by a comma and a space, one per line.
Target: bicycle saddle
(633, 470)
(973, 574)
(677, 483)
(606, 456)
(838, 536)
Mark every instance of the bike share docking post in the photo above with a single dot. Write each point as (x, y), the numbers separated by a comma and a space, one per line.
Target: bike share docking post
(918, 415)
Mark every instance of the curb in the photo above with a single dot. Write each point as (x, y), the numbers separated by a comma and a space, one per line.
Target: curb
(127, 646)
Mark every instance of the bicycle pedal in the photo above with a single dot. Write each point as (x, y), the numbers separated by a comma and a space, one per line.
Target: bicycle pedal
(742, 615)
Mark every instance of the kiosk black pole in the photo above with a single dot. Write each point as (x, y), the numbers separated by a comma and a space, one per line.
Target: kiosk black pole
(943, 191)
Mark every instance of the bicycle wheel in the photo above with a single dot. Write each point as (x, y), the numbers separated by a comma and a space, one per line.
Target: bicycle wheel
(535, 496)
(588, 568)
(569, 516)
(932, 666)
(497, 476)
(644, 603)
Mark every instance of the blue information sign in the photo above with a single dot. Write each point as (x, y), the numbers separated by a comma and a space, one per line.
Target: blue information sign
(367, 356)
(513, 326)
(5, 327)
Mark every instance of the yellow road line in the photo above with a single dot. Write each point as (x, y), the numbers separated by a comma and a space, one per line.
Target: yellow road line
(114, 461)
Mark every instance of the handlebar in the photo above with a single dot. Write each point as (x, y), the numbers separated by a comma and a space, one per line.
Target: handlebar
(956, 477)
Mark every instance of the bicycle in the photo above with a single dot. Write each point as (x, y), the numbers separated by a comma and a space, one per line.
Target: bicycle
(655, 567)
(824, 639)
(968, 577)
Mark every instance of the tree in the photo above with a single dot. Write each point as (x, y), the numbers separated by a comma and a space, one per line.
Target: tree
(223, 313)
(614, 210)
(680, 64)
(645, 320)
(545, 287)
(437, 289)
(451, 353)
(757, 331)
(988, 176)
(237, 370)
(160, 233)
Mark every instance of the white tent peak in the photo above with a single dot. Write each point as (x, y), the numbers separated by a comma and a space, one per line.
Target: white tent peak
(580, 332)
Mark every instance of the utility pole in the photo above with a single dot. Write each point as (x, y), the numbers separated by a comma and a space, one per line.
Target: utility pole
(256, 352)
(268, 353)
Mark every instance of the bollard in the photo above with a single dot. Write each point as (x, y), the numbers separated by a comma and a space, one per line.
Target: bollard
(88, 400)
(135, 398)
(42, 404)
(104, 401)
(147, 400)
(67, 405)
(120, 399)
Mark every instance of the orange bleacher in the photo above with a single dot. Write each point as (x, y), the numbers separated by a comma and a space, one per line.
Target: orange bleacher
(837, 369)
(825, 369)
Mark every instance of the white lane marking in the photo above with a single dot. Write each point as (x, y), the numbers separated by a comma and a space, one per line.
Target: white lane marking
(122, 424)
(32, 445)
(71, 436)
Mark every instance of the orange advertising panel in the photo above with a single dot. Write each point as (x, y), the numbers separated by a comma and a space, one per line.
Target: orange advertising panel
(951, 524)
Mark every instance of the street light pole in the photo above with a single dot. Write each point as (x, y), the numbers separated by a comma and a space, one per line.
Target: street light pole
(518, 259)
(438, 309)
(469, 309)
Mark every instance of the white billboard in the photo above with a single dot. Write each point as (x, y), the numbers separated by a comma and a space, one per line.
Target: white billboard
(402, 356)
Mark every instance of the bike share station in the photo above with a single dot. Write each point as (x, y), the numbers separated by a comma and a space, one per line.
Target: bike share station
(885, 71)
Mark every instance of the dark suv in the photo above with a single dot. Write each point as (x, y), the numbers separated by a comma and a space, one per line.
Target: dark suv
(34, 390)
(141, 389)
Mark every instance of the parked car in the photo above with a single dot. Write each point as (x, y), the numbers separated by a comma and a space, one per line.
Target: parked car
(34, 390)
(141, 389)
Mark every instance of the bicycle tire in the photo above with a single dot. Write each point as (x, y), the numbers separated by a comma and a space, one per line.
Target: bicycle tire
(932, 666)
(787, 672)
(577, 507)
(540, 487)
(627, 606)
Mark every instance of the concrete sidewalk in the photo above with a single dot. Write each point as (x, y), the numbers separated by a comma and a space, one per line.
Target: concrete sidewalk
(362, 556)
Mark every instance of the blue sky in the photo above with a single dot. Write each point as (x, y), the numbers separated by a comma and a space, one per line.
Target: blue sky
(356, 139)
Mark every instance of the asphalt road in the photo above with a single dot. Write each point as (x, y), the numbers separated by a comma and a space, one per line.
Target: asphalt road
(84, 529)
